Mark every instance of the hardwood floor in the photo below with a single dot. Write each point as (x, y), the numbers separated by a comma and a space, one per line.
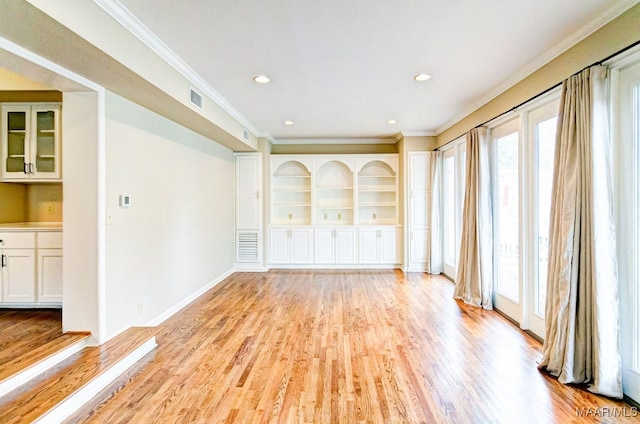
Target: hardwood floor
(353, 346)
(23, 330)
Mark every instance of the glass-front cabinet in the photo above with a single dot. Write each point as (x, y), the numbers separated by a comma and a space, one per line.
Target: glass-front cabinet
(30, 141)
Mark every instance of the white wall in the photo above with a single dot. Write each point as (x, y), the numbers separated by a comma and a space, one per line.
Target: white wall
(178, 234)
(82, 235)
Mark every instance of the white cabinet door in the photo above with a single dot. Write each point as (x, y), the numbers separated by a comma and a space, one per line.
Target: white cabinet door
(336, 246)
(419, 250)
(248, 189)
(30, 141)
(379, 246)
(368, 246)
(419, 208)
(49, 275)
(419, 176)
(388, 246)
(301, 246)
(279, 246)
(345, 246)
(324, 246)
(419, 164)
(18, 276)
(291, 246)
(45, 142)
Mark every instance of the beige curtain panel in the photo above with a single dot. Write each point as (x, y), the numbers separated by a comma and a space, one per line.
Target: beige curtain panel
(474, 282)
(582, 320)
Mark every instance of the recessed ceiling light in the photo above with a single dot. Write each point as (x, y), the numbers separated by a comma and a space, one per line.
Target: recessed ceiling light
(421, 77)
(392, 122)
(261, 79)
(288, 122)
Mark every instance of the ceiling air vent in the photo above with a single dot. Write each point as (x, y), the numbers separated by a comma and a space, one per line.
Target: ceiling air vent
(195, 98)
(245, 134)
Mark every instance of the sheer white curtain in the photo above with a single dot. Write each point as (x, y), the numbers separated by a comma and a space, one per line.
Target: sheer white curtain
(474, 283)
(435, 252)
(582, 319)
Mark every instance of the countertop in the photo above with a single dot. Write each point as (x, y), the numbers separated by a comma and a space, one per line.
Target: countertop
(31, 226)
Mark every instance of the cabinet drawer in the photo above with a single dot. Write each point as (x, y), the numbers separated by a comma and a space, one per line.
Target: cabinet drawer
(11, 240)
(50, 240)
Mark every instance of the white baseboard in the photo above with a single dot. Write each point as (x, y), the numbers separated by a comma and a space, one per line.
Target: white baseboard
(184, 302)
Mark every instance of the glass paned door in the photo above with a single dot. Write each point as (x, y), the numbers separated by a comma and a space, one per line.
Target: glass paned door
(541, 141)
(45, 141)
(452, 199)
(449, 193)
(626, 136)
(505, 183)
(507, 217)
(545, 140)
(17, 141)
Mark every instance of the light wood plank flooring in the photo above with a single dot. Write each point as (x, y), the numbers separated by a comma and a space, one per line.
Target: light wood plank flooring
(22, 330)
(343, 347)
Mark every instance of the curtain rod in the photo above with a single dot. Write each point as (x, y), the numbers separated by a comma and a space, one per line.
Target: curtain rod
(600, 62)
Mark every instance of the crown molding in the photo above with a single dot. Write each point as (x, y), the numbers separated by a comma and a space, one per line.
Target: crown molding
(125, 18)
(355, 140)
(586, 30)
(419, 133)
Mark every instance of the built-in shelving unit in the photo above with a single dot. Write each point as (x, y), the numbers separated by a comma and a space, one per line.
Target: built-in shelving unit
(377, 194)
(291, 194)
(334, 194)
(334, 210)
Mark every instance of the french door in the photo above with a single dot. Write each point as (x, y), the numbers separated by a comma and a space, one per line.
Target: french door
(522, 174)
(453, 173)
(541, 136)
(506, 218)
(626, 136)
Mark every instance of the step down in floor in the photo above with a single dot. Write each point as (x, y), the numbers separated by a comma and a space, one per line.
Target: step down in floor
(19, 371)
(76, 380)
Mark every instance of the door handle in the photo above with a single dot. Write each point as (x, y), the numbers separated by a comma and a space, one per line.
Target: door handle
(4, 261)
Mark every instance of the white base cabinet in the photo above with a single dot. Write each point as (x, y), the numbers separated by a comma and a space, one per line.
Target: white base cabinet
(31, 268)
(336, 246)
(18, 276)
(291, 246)
(379, 246)
(49, 267)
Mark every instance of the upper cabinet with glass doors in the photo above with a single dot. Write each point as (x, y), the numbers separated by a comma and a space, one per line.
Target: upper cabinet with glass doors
(31, 142)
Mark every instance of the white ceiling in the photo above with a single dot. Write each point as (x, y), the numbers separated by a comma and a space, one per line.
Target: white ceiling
(342, 68)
